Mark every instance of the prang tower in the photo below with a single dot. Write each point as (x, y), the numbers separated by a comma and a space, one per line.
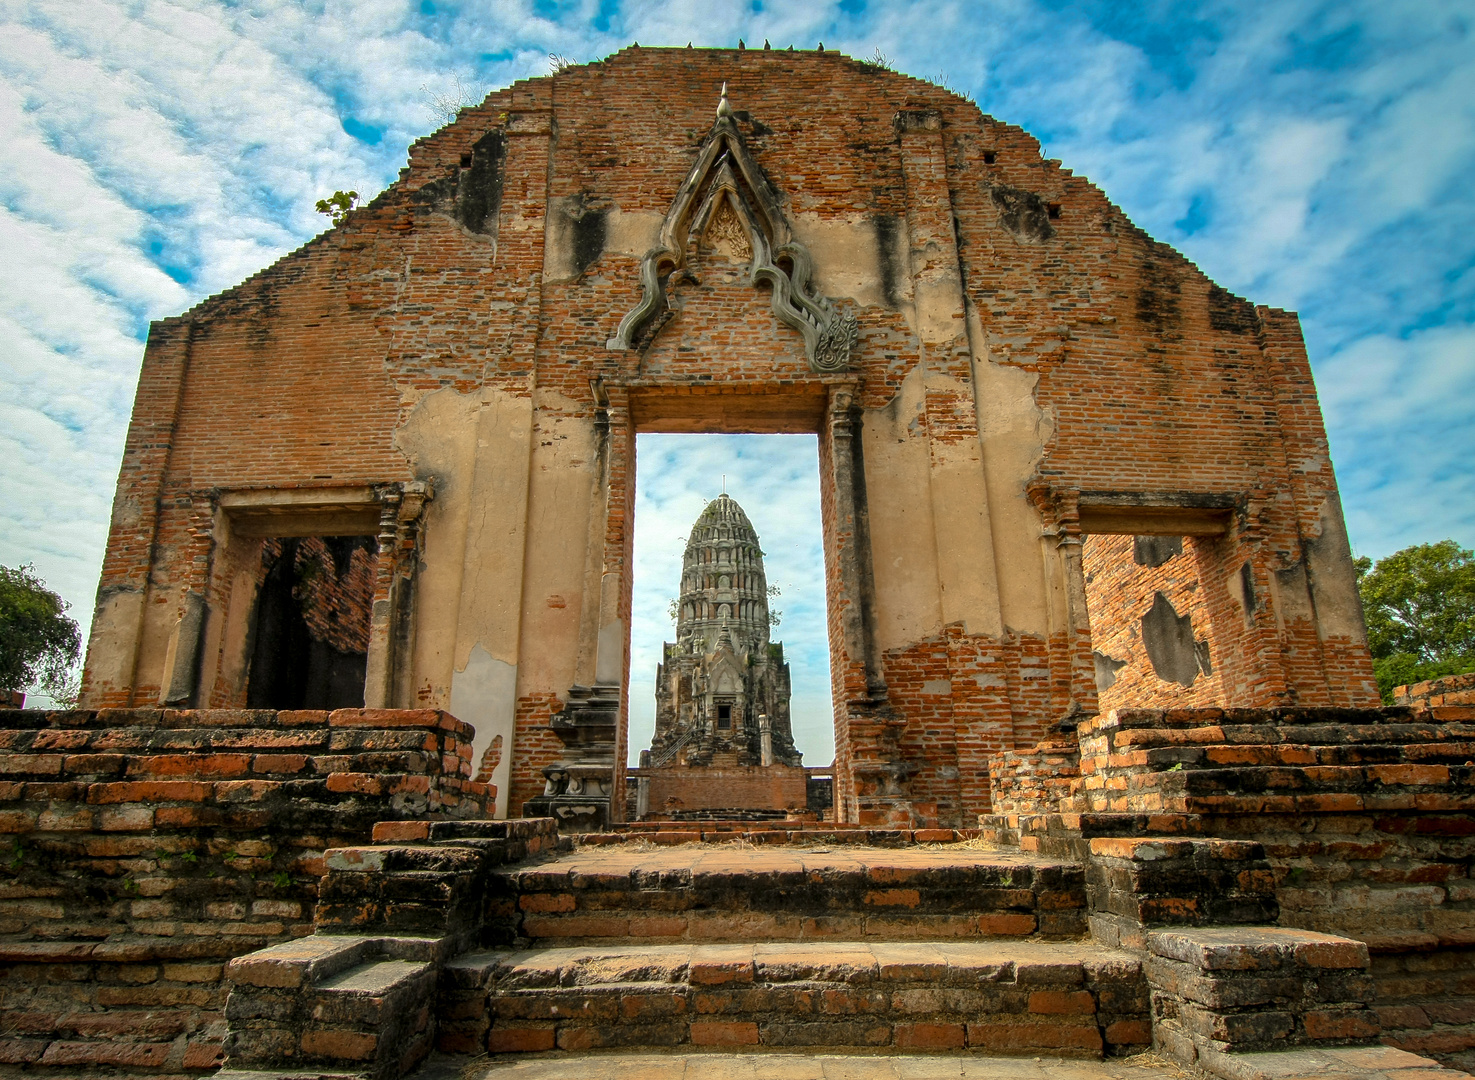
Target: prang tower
(722, 694)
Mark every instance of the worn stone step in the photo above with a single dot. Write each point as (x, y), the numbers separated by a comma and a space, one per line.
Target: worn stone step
(229, 1073)
(722, 893)
(779, 831)
(1013, 997)
(336, 1002)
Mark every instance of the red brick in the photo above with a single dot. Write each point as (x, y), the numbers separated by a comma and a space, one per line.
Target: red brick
(1045, 1036)
(106, 1053)
(356, 783)
(211, 765)
(203, 1055)
(1340, 1025)
(929, 1036)
(21, 1051)
(1129, 1033)
(1007, 925)
(278, 763)
(148, 791)
(337, 1045)
(724, 1033)
(1062, 1002)
(390, 831)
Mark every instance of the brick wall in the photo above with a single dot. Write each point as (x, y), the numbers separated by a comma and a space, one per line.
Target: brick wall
(1142, 375)
(1122, 586)
(1363, 816)
(145, 848)
(1435, 693)
(736, 787)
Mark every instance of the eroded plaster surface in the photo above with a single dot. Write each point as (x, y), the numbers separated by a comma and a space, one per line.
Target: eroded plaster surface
(1014, 430)
(484, 695)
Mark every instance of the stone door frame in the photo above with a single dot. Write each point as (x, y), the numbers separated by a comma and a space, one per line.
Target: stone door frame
(870, 780)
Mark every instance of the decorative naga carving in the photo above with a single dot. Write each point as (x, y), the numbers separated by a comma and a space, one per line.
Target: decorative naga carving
(725, 179)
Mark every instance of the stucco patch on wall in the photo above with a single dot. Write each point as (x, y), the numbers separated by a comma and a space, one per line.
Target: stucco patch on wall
(484, 695)
(1015, 431)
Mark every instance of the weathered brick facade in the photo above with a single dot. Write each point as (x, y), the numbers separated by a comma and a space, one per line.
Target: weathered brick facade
(460, 370)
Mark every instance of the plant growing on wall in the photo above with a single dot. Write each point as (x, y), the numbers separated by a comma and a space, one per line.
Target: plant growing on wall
(1420, 610)
(338, 204)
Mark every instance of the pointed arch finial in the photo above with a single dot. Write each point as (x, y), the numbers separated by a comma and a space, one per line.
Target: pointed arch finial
(725, 177)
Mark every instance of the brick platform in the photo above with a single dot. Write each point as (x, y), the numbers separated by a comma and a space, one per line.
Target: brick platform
(148, 847)
(1351, 822)
(1020, 998)
(790, 831)
(852, 893)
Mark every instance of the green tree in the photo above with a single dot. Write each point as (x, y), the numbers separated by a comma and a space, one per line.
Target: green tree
(337, 205)
(39, 644)
(1420, 608)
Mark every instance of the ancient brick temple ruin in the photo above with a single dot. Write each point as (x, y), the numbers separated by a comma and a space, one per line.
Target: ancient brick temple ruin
(366, 602)
(723, 741)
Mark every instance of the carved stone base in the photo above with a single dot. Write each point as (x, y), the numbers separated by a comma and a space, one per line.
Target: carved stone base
(577, 791)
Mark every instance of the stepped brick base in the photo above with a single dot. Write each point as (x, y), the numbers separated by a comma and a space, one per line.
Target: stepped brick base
(1028, 997)
(721, 893)
(786, 831)
(142, 849)
(330, 1000)
(1257, 988)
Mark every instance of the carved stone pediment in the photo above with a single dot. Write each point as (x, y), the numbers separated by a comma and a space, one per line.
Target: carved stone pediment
(726, 198)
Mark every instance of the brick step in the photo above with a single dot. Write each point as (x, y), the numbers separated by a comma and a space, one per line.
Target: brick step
(334, 1001)
(775, 832)
(1022, 997)
(288, 1074)
(726, 894)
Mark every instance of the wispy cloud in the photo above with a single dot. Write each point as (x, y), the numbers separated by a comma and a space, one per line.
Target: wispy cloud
(1310, 155)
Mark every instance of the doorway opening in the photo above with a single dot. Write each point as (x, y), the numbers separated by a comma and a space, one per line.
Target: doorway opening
(730, 707)
(310, 628)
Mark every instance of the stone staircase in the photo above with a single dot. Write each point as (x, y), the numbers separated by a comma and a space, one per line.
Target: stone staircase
(328, 999)
(724, 893)
(1132, 904)
(823, 949)
(702, 946)
(1014, 996)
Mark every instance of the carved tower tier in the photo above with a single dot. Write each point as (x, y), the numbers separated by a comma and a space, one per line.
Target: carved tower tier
(723, 683)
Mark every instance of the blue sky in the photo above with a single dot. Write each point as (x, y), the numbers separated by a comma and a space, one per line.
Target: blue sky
(1312, 156)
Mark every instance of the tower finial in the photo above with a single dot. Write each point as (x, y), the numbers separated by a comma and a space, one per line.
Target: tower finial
(724, 107)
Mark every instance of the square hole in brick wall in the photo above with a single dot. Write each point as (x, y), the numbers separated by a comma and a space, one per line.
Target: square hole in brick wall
(1151, 634)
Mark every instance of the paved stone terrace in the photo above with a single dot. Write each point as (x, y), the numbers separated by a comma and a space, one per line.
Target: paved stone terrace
(730, 857)
(810, 1067)
(1336, 1063)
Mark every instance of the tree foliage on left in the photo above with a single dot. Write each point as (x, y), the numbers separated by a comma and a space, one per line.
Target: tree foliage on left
(39, 643)
(1420, 610)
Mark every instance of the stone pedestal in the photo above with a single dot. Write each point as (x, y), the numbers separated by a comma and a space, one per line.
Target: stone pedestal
(577, 790)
